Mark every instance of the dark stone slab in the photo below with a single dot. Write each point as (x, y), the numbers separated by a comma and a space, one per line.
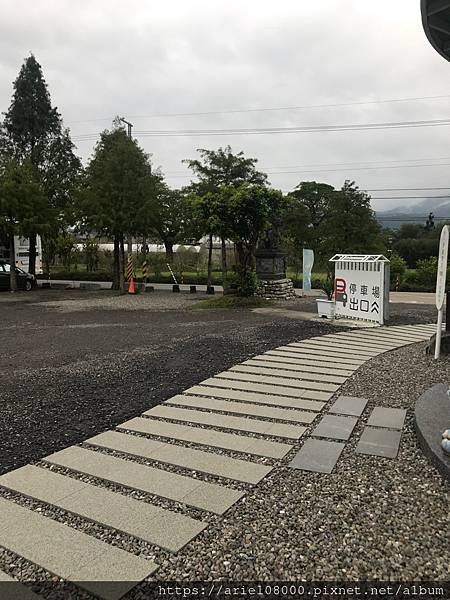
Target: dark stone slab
(349, 405)
(379, 442)
(318, 456)
(334, 427)
(391, 418)
(431, 418)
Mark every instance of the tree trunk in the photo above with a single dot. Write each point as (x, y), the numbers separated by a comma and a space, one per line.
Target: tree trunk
(32, 254)
(121, 263)
(130, 246)
(224, 256)
(247, 286)
(169, 251)
(116, 264)
(12, 261)
(210, 249)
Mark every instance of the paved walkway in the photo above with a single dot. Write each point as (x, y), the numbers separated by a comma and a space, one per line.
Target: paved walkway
(199, 450)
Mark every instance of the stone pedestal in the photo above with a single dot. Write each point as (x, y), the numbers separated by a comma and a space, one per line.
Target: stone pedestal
(271, 271)
(276, 289)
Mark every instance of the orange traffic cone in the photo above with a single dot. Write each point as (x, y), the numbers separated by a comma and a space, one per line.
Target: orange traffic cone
(131, 289)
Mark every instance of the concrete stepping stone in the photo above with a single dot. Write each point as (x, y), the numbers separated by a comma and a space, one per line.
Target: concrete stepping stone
(311, 354)
(153, 524)
(391, 418)
(225, 422)
(303, 384)
(14, 590)
(379, 442)
(318, 456)
(208, 437)
(274, 390)
(342, 347)
(364, 342)
(344, 341)
(337, 349)
(100, 568)
(206, 496)
(264, 360)
(304, 360)
(243, 408)
(334, 427)
(213, 392)
(349, 405)
(278, 371)
(196, 460)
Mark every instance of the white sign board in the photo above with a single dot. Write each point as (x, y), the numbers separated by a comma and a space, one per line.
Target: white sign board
(442, 268)
(440, 286)
(361, 287)
(308, 262)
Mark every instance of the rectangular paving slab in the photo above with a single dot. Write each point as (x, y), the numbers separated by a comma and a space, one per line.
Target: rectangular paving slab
(379, 442)
(336, 349)
(318, 456)
(304, 360)
(345, 344)
(225, 422)
(334, 427)
(153, 524)
(98, 567)
(208, 437)
(14, 590)
(197, 460)
(206, 496)
(319, 355)
(391, 418)
(278, 371)
(349, 405)
(213, 392)
(244, 408)
(265, 360)
(363, 342)
(276, 390)
(303, 384)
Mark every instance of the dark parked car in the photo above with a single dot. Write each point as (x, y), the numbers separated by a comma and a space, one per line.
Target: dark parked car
(25, 281)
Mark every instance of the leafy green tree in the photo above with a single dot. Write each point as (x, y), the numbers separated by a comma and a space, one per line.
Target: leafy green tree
(247, 212)
(351, 226)
(23, 206)
(215, 170)
(170, 217)
(34, 132)
(117, 193)
(307, 212)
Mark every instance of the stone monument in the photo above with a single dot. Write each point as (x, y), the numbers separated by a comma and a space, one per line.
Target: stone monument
(271, 269)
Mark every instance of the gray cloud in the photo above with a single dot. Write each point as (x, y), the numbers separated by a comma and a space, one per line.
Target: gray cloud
(139, 58)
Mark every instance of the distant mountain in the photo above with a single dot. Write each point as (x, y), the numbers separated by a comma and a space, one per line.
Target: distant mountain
(418, 213)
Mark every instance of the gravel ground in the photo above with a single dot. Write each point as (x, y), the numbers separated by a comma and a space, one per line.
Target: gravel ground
(371, 519)
(68, 375)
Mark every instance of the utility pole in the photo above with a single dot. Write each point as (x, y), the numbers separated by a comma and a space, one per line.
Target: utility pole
(129, 128)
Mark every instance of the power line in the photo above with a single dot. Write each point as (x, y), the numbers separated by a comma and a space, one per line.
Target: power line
(405, 189)
(281, 130)
(407, 197)
(270, 109)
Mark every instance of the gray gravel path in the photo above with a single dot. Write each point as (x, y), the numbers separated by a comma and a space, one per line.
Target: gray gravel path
(372, 518)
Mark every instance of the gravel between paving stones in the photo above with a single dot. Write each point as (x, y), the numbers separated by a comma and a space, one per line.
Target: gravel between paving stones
(372, 518)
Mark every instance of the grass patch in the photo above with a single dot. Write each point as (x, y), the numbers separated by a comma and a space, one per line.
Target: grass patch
(232, 302)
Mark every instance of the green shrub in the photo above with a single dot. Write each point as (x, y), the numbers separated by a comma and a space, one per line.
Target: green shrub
(398, 269)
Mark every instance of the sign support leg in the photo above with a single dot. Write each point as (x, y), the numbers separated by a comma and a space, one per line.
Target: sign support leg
(437, 349)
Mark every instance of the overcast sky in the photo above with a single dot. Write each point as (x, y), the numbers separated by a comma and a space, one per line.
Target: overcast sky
(140, 59)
